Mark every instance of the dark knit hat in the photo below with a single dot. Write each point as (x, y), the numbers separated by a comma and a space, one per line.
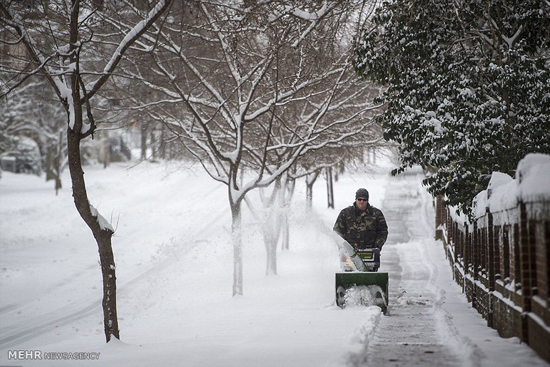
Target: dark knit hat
(362, 193)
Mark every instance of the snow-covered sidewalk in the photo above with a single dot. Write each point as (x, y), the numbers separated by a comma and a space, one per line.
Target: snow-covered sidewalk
(174, 270)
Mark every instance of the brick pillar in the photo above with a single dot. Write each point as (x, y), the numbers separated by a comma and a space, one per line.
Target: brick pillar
(506, 258)
(546, 258)
(516, 248)
(527, 259)
(490, 265)
(475, 251)
(449, 221)
(468, 245)
(439, 217)
(467, 250)
(497, 233)
(457, 235)
(475, 264)
(527, 267)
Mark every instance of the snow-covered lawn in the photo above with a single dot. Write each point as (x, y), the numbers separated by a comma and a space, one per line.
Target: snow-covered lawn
(174, 270)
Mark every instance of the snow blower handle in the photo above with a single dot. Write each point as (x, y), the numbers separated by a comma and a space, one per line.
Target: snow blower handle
(351, 251)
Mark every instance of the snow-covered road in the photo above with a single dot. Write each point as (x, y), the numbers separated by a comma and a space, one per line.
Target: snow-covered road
(174, 270)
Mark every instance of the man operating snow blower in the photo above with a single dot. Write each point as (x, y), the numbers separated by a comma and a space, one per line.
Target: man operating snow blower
(362, 225)
(364, 230)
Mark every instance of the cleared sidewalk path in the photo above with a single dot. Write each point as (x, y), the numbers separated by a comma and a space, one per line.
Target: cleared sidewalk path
(421, 328)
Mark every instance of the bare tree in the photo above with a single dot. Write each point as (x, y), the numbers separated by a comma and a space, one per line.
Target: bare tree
(251, 88)
(68, 43)
(29, 112)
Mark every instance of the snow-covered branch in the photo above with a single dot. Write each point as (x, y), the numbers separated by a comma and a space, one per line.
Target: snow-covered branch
(135, 33)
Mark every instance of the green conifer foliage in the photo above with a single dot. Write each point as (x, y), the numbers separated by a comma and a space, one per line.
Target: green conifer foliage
(468, 86)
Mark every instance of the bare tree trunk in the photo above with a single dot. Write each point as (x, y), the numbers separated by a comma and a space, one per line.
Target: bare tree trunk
(310, 180)
(285, 232)
(270, 232)
(153, 143)
(286, 198)
(162, 143)
(270, 217)
(236, 233)
(272, 225)
(330, 188)
(58, 158)
(108, 270)
(102, 234)
(53, 162)
(270, 240)
(143, 141)
(106, 150)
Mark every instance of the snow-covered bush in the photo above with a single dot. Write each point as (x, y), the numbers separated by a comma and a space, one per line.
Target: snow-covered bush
(23, 157)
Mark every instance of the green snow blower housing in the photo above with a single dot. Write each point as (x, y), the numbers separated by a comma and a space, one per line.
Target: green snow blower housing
(361, 283)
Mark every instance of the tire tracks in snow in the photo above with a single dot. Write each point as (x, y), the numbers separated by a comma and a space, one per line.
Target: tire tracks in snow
(44, 323)
(38, 326)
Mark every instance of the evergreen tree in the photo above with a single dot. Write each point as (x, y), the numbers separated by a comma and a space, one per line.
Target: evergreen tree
(468, 86)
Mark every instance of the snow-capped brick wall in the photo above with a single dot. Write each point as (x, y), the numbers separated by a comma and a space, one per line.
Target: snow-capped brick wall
(502, 256)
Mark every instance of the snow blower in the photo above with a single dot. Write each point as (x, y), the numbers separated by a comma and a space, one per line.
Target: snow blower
(361, 283)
